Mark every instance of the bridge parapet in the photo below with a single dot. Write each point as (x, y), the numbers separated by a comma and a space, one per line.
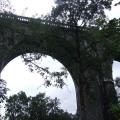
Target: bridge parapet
(8, 16)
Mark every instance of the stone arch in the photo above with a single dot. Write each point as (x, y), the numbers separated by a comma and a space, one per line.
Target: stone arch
(33, 47)
(20, 35)
(30, 35)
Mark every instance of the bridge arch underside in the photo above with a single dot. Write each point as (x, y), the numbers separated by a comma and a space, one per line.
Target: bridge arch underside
(55, 51)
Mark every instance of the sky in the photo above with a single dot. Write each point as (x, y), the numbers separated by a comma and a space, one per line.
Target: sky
(17, 74)
(30, 8)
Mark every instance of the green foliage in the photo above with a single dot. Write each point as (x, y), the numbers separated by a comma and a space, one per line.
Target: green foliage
(3, 90)
(110, 34)
(39, 107)
(115, 111)
(17, 107)
(79, 11)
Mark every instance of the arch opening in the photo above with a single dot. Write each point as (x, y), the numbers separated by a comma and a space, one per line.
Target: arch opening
(51, 91)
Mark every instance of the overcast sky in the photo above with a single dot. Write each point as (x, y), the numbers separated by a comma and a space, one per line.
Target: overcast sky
(19, 78)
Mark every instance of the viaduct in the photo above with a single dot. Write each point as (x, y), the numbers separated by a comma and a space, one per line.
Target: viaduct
(19, 35)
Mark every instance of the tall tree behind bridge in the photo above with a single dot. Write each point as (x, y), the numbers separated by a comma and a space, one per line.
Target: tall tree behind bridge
(80, 12)
(81, 15)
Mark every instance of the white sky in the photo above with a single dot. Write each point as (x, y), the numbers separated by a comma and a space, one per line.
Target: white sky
(32, 7)
(17, 75)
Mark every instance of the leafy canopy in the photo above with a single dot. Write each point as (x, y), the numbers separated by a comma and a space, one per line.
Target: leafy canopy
(3, 90)
(39, 107)
(79, 12)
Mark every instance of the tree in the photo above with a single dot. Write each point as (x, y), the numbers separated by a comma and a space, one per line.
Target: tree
(50, 78)
(3, 90)
(85, 14)
(115, 110)
(17, 107)
(79, 11)
(39, 107)
(5, 6)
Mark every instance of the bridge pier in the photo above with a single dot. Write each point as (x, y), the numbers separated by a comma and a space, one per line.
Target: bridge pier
(98, 90)
(92, 98)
